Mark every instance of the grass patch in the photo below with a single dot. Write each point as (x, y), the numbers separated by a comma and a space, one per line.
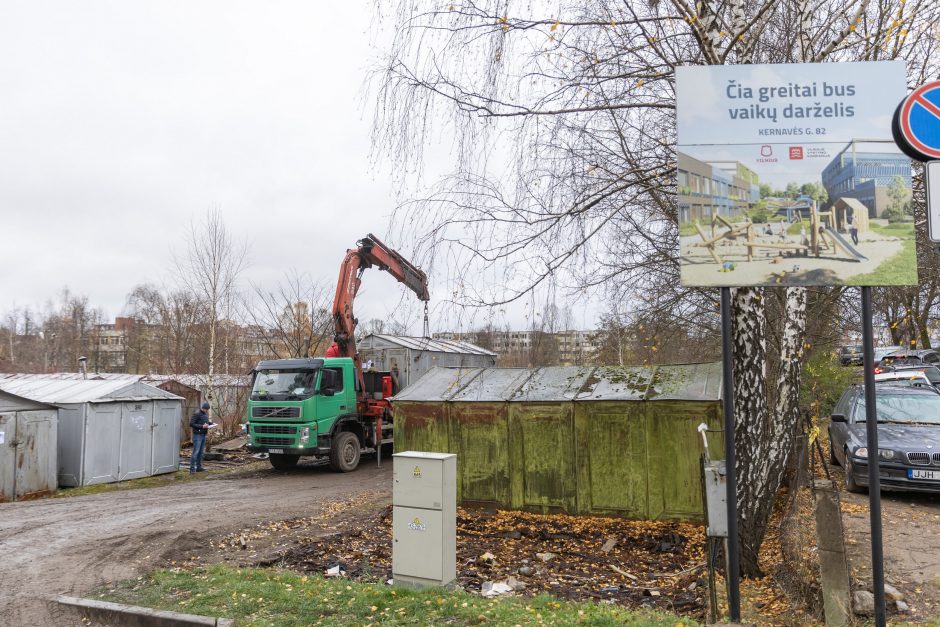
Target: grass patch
(143, 482)
(896, 229)
(901, 269)
(156, 481)
(254, 596)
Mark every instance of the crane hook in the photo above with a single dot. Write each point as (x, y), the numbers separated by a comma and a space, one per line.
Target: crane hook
(427, 324)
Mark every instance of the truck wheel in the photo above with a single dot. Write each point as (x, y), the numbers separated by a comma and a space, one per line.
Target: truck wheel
(344, 454)
(283, 462)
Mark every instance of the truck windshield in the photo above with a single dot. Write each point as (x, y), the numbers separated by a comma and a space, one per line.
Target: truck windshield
(283, 385)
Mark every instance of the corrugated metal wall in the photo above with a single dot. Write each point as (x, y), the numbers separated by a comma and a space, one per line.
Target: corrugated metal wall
(636, 459)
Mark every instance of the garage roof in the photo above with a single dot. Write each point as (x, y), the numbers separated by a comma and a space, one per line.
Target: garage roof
(691, 382)
(13, 402)
(52, 390)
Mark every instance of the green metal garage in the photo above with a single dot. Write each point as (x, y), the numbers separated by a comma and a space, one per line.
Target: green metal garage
(607, 440)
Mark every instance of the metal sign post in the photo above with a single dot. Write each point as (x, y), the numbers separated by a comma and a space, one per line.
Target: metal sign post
(874, 477)
(727, 390)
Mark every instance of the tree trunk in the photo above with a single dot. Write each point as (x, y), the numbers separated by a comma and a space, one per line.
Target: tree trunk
(763, 439)
(749, 331)
(212, 324)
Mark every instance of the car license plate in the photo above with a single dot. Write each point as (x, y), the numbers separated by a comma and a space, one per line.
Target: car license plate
(280, 451)
(923, 474)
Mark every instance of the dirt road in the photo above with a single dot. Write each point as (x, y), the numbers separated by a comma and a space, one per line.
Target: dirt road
(71, 545)
(911, 532)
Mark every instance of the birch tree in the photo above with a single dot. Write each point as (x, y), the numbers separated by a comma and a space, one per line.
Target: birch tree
(210, 269)
(563, 117)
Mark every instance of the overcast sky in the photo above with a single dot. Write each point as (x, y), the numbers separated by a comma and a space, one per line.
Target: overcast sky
(123, 121)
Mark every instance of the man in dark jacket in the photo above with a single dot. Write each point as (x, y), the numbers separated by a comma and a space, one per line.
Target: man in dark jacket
(199, 423)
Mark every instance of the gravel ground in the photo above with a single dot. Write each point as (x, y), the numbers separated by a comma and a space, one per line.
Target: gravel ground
(72, 545)
(911, 534)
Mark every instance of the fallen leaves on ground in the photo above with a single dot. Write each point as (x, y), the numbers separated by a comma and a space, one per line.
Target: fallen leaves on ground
(646, 563)
(329, 517)
(854, 508)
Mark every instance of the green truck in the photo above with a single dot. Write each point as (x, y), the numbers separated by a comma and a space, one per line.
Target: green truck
(308, 407)
(329, 407)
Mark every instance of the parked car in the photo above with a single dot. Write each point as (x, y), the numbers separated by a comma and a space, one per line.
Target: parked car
(850, 355)
(881, 351)
(910, 358)
(911, 377)
(931, 372)
(908, 438)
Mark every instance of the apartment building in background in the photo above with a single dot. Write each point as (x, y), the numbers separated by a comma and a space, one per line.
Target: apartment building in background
(563, 348)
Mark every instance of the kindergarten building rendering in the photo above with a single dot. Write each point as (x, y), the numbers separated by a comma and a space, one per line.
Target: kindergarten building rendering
(866, 172)
(717, 188)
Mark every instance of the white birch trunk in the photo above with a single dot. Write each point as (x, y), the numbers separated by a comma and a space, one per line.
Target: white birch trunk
(751, 434)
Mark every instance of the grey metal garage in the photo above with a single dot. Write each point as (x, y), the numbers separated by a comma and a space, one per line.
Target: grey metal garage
(27, 448)
(408, 358)
(108, 430)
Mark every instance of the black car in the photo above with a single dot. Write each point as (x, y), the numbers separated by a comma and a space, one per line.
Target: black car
(925, 356)
(908, 438)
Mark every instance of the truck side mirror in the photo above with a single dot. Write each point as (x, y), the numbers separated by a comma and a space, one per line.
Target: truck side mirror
(837, 417)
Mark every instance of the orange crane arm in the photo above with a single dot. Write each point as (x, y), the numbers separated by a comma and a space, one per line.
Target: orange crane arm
(370, 252)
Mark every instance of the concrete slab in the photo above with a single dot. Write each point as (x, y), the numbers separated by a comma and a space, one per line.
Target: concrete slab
(134, 616)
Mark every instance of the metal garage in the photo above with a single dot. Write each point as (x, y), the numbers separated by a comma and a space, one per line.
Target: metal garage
(109, 430)
(27, 448)
(408, 358)
(583, 440)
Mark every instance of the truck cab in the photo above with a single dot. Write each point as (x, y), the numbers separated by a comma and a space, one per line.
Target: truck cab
(303, 407)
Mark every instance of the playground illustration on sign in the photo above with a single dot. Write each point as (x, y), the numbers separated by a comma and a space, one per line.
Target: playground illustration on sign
(788, 175)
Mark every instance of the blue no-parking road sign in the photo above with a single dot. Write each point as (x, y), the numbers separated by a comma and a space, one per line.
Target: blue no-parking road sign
(918, 122)
(916, 130)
